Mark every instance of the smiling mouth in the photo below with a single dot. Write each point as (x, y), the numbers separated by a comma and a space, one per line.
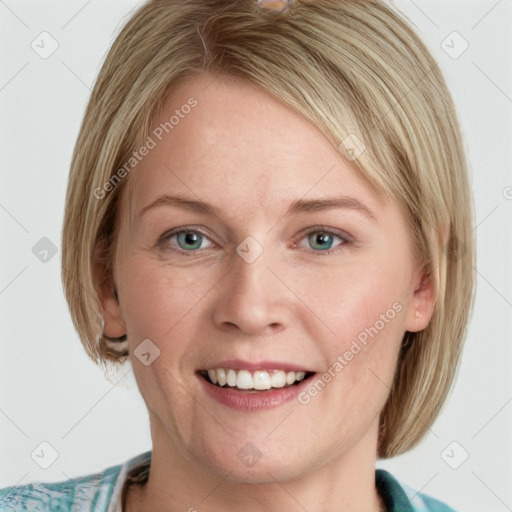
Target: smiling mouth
(255, 380)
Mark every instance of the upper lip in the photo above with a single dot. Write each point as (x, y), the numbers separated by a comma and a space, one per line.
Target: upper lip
(239, 364)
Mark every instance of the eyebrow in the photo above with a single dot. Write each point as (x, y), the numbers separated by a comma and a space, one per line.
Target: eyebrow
(343, 202)
(299, 206)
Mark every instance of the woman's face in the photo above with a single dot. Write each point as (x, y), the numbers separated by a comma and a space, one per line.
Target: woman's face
(248, 243)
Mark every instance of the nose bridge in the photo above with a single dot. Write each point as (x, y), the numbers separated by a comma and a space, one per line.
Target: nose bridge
(250, 272)
(251, 297)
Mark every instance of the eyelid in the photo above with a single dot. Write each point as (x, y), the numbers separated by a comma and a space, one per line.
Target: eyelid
(347, 239)
(164, 239)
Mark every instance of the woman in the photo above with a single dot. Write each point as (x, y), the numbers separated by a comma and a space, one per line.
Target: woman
(269, 216)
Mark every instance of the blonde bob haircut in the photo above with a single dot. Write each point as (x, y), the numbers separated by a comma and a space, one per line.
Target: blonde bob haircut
(358, 72)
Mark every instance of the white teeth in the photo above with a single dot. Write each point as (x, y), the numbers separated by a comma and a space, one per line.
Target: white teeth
(259, 379)
(290, 377)
(231, 378)
(244, 380)
(221, 376)
(278, 379)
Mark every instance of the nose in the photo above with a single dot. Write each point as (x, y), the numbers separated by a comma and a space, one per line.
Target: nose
(251, 299)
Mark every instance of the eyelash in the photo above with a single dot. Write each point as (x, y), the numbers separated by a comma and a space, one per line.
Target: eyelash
(164, 244)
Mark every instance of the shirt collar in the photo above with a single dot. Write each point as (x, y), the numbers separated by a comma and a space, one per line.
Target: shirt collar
(392, 493)
(394, 496)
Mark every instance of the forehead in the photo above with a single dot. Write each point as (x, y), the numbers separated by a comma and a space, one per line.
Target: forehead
(240, 148)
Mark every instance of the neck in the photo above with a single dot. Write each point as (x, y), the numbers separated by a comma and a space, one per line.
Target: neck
(343, 483)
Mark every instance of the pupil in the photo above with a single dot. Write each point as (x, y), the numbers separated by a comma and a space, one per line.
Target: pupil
(322, 240)
(190, 239)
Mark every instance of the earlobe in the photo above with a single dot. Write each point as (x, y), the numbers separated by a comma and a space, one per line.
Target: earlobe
(422, 305)
(107, 293)
(113, 323)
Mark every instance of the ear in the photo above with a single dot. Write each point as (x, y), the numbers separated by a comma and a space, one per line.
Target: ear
(422, 303)
(114, 325)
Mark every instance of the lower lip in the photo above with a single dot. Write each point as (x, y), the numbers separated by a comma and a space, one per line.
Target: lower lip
(253, 401)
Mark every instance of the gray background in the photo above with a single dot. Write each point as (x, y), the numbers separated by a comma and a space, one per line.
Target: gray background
(50, 392)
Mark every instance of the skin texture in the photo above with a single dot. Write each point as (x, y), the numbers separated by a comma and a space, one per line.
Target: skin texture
(250, 157)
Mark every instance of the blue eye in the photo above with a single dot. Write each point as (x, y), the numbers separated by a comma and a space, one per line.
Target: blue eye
(188, 240)
(323, 241)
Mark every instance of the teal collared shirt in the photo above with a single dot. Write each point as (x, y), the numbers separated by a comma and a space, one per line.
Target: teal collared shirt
(101, 492)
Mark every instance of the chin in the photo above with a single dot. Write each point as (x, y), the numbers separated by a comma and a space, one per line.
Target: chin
(253, 462)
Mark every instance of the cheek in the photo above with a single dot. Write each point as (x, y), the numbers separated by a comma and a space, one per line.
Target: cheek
(158, 303)
(358, 326)
(157, 298)
(354, 303)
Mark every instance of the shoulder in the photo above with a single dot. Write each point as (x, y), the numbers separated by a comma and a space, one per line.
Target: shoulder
(402, 498)
(85, 493)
